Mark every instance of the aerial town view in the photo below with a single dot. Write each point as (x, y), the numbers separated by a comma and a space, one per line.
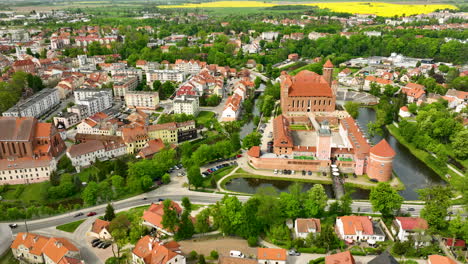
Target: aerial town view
(233, 132)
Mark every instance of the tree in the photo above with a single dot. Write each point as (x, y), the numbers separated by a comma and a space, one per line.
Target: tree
(110, 213)
(118, 184)
(235, 141)
(455, 228)
(268, 105)
(90, 193)
(352, 108)
(166, 178)
(186, 228)
(385, 199)
(201, 259)
(345, 204)
(202, 223)
(460, 144)
(252, 139)
(194, 176)
(119, 228)
(437, 201)
(186, 204)
(315, 201)
(65, 164)
(170, 221)
(35, 83)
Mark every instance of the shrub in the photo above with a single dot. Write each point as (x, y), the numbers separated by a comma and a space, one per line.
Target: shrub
(214, 254)
(193, 255)
(252, 241)
(357, 253)
(317, 260)
(312, 249)
(201, 259)
(166, 178)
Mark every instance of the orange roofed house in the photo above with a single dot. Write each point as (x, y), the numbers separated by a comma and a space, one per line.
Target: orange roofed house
(404, 227)
(340, 258)
(304, 226)
(150, 251)
(28, 150)
(100, 229)
(437, 259)
(415, 92)
(153, 216)
(272, 256)
(308, 91)
(358, 228)
(33, 248)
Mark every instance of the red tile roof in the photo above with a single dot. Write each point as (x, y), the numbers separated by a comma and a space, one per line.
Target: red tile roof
(383, 149)
(155, 213)
(328, 64)
(99, 225)
(282, 137)
(458, 242)
(155, 252)
(340, 258)
(305, 224)
(35, 243)
(271, 254)
(412, 223)
(307, 83)
(436, 259)
(57, 248)
(354, 223)
(254, 152)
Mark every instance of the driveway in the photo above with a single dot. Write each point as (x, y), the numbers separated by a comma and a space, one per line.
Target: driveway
(221, 244)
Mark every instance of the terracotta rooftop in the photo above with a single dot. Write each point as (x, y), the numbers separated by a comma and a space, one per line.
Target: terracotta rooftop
(154, 252)
(307, 83)
(303, 225)
(356, 137)
(282, 137)
(57, 248)
(99, 225)
(412, 223)
(437, 259)
(155, 213)
(254, 152)
(85, 148)
(340, 258)
(354, 223)
(35, 243)
(154, 146)
(383, 149)
(328, 64)
(17, 129)
(271, 254)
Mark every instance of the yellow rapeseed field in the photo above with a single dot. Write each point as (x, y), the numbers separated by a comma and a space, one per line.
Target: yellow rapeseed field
(377, 8)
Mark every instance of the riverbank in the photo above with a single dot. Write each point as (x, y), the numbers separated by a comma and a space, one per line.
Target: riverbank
(422, 155)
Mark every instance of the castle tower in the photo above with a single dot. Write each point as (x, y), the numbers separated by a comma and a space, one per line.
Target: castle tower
(328, 72)
(381, 161)
(324, 137)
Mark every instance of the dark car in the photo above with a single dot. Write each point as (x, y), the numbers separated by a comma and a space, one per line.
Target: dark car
(304, 172)
(107, 245)
(78, 214)
(411, 209)
(309, 173)
(13, 225)
(103, 244)
(145, 198)
(239, 155)
(160, 200)
(97, 243)
(374, 180)
(94, 240)
(91, 214)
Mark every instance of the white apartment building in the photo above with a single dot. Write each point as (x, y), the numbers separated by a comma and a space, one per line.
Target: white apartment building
(145, 100)
(95, 100)
(186, 104)
(26, 170)
(123, 85)
(164, 75)
(36, 105)
(130, 72)
(84, 154)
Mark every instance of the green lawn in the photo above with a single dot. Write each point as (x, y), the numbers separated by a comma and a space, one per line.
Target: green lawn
(304, 157)
(298, 127)
(8, 258)
(32, 192)
(345, 159)
(204, 116)
(70, 227)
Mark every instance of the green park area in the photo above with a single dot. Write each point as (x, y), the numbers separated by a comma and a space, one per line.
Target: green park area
(70, 227)
(304, 157)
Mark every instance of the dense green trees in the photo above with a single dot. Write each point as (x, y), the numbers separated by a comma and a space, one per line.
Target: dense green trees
(385, 199)
(252, 139)
(352, 108)
(437, 201)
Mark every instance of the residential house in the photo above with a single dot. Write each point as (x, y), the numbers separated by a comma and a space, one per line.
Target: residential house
(251, 64)
(149, 250)
(99, 124)
(269, 36)
(152, 217)
(272, 256)
(33, 248)
(404, 227)
(27, 66)
(135, 138)
(377, 80)
(404, 112)
(340, 258)
(35, 105)
(100, 229)
(293, 57)
(414, 92)
(164, 75)
(95, 100)
(152, 147)
(358, 228)
(124, 84)
(305, 226)
(84, 154)
(232, 108)
(66, 120)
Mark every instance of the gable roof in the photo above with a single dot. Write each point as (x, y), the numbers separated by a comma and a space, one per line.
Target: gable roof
(155, 252)
(340, 258)
(271, 254)
(303, 225)
(412, 223)
(254, 152)
(383, 149)
(384, 258)
(437, 259)
(354, 223)
(35, 243)
(99, 225)
(155, 213)
(57, 248)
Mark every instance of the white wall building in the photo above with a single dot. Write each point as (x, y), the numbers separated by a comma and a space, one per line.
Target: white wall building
(142, 100)
(164, 75)
(186, 104)
(84, 154)
(95, 100)
(358, 228)
(36, 105)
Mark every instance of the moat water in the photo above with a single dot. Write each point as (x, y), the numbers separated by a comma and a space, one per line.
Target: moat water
(413, 173)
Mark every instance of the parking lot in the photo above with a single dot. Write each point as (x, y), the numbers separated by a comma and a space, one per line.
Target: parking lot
(210, 168)
(101, 253)
(266, 130)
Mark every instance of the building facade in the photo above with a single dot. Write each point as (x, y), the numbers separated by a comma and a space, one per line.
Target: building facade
(186, 104)
(95, 100)
(36, 105)
(142, 100)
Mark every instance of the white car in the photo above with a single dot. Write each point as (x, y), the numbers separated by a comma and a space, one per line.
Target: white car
(276, 171)
(236, 254)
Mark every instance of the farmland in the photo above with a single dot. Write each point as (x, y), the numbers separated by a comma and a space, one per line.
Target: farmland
(377, 8)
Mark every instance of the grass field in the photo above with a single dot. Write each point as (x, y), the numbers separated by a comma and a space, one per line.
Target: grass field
(8, 258)
(70, 227)
(32, 192)
(203, 117)
(377, 8)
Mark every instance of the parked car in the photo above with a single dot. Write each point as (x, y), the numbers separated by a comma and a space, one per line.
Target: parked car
(107, 245)
(309, 173)
(94, 240)
(374, 180)
(411, 209)
(91, 214)
(145, 198)
(97, 243)
(239, 155)
(78, 215)
(13, 226)
(236, 254)
(160, 200)
(293, 252)
(275, 171)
